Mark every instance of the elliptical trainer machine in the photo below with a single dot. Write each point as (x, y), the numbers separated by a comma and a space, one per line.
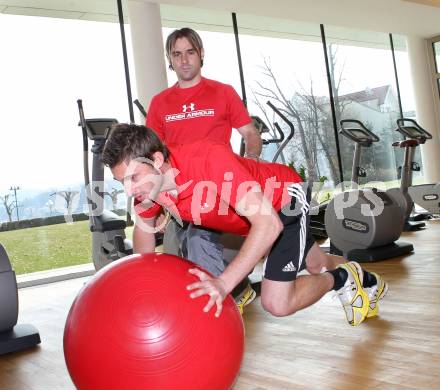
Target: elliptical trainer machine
(426, 196)
(108, 236)
(363, 225)
(13, 337)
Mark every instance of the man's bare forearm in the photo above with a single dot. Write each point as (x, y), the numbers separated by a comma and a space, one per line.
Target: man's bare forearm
(143, 242)
(255, 247)
(253, 144)
(252, 140)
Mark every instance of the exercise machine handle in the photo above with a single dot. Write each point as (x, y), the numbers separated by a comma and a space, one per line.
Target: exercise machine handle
(289, 123)
(82, 123)
(356, 131)
(283, 117)
(140, 107)
(409, 128)
(275, 140)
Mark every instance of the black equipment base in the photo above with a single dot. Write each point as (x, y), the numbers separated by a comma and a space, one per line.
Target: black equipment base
(411, 226)
(379, 253)
(21, 337)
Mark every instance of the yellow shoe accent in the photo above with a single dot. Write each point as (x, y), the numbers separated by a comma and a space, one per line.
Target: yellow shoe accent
(352, 296)
(245, 298)
(376, 293)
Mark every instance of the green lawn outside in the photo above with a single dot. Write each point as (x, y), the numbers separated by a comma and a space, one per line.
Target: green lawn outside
(48, 247)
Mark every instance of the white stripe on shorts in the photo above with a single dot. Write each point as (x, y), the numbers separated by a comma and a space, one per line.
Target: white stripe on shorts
(296, 190)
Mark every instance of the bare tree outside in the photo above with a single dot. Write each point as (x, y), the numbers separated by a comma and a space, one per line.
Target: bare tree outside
(8, 205)
(113, 194)
(313, 149)
(71, 200)
(50, 205)
(311, 115)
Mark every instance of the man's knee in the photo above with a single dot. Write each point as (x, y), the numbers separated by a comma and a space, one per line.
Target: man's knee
(276, 306)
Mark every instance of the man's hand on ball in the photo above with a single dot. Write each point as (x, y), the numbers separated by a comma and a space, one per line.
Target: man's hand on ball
(208, 285)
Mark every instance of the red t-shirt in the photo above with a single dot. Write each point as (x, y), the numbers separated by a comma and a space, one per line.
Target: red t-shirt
(208, 110)
(210, 172)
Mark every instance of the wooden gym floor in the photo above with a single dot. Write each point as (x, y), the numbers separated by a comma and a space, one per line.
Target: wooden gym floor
(313, 349)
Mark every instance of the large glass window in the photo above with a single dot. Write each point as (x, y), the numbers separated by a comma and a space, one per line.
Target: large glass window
(363, 81)
(284, 65)
(47, 64)
(436, 48)
(407, 99)
(436, 56)
(404, 76)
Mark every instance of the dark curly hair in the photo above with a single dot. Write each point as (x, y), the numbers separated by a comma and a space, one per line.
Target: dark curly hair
(128, 142)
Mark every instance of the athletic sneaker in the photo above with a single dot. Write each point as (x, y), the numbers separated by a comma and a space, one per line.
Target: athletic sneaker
(245, 298)
(352, 296)
(375, 293)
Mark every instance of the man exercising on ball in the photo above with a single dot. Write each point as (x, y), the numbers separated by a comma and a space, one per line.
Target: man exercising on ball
(207, 184)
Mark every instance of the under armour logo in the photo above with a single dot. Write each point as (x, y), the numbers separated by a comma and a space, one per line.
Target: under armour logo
(185, 107)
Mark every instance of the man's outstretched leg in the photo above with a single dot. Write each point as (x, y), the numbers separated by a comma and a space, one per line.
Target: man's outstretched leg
(284, 293)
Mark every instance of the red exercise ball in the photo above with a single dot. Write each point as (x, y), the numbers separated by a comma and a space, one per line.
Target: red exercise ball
(134, 326)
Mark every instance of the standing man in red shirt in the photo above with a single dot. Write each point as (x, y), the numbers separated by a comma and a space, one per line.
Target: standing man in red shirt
(206, 183)
(195, 109)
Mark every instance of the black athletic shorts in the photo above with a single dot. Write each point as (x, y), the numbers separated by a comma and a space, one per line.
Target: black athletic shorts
(288, 253)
